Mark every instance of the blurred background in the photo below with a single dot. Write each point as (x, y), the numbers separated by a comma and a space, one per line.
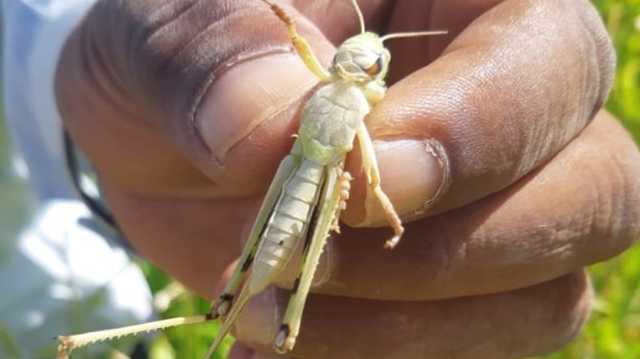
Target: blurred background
(613, 330)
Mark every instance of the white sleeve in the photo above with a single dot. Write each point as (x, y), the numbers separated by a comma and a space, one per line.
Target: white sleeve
(60, 275)
(65, 278)
(34, 33)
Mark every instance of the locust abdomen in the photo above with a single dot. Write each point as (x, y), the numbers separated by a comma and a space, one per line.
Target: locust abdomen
(288, 224)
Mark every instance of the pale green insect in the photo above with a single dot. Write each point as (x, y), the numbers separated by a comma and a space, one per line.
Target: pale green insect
(309, 190)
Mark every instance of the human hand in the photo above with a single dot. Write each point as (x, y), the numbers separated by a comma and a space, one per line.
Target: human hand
(493, 142)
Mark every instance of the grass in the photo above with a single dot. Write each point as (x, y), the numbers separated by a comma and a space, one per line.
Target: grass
(613, 331)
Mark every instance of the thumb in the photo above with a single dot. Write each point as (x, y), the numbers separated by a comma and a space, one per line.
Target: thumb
(182, 93)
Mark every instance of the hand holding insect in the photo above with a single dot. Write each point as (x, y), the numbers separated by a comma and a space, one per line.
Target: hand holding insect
(309, 190)
(491, 110)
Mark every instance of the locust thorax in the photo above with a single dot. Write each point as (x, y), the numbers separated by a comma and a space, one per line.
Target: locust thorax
(361, 59)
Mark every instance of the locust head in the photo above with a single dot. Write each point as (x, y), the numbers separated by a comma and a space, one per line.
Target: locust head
(362, 58)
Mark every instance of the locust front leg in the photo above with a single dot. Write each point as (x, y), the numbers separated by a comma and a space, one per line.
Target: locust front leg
(328, 209)
(300, 44)
(370, 164)
(288, 165)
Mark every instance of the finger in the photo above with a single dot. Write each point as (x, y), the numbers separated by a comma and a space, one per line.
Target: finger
(507, 94)
(581, 208)
(195, 241)
(239, 351)
(516, 324)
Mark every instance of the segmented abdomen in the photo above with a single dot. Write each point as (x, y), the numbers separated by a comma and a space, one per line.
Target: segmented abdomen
(288, 224)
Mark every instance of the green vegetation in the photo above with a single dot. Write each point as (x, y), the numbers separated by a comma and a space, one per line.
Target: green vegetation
(188, 341)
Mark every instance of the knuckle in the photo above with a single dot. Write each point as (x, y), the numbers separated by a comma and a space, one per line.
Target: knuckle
(602, 48)
(567, 313)
(617, 209)
(173, 53)
(626, 201)
(586, 38)
(557, 311)
(168, 49)
(162, 48)
(186, 48)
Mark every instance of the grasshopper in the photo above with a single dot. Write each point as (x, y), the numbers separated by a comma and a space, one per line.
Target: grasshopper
(309, 190)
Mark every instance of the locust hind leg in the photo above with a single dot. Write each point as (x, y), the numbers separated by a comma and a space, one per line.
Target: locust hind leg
(221, 306)
(373, 178)
(67, 343)
(328, 209)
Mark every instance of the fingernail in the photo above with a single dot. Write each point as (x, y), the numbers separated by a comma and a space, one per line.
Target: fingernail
(246, 95)
(413, 174)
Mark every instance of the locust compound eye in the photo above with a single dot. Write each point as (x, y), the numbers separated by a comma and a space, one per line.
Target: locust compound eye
(375, 69)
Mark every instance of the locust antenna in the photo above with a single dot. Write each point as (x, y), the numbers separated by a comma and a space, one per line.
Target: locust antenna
(360, 17)
(399, 35)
